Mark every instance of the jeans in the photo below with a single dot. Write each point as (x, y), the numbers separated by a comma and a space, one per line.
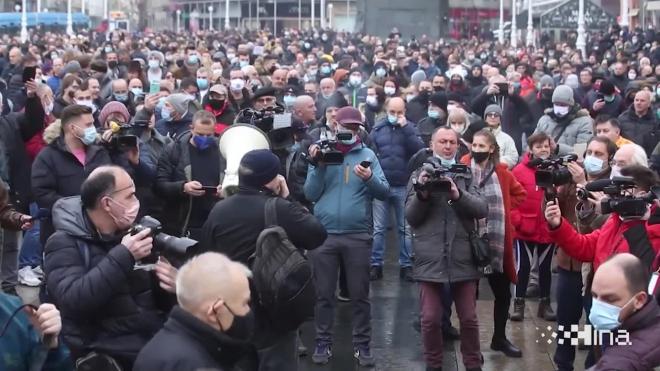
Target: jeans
(31, 253)
(431, 306)
(569, 311)
(381, 209)
(353, 250)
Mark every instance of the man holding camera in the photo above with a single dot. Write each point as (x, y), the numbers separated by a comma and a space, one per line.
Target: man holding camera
(109, 308)
(443, 253)
(342, 194)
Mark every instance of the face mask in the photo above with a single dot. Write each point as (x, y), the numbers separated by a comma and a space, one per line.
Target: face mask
(447, 163)
(231, 56)
(480, 157)
(202, 84)
(137, 92)
(560, 111)
(326, 70)
(604, 316)
(192, 59)
(112, 64)
(243, 63)
(459, 128)
(390, 90)
(546, 93)
(121, 97)
(293, 81)
(313, 72)
(372, 100)
(392, 119)
(609, 98)
(166, 114)
(433, 114)
(355, 80)
(381, 72)
(217, 103)
(87, 103)
(108, 49)
(236, 84)
(153, 64)
(89, 135)
(49, 108)
(242, 327)
(217, 72)
(202, 142)
(593, 164)
(438, 89)
(657, 92)
(289, 100)
(124, 216)
(350, 141)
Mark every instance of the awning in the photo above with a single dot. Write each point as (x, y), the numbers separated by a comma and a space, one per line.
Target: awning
(633, 12)
(653, 5)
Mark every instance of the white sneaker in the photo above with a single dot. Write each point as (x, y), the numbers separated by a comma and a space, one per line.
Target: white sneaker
(27, 277)
(38, 272)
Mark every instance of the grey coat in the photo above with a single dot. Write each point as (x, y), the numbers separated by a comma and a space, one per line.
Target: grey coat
(579, 129)
(440, 242)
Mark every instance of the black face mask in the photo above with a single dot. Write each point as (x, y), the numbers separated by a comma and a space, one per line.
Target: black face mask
(216, 103)
(242, 328)
(438, 88)
(480, 157)
(546, 93)
(112, 64)
(424, 94)
(293, 81)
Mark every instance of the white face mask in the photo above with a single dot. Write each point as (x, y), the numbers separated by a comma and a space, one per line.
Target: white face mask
(237, 84)
(372, 100)
(560, 111)
(389, 90)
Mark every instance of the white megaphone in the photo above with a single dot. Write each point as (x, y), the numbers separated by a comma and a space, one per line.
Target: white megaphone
(235, 142)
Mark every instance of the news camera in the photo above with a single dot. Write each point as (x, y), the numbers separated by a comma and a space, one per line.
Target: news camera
(620, 198)
(273, 121)
(328, 152)
(552, 173)
(438, 173)
(125, 136)
(163, 242)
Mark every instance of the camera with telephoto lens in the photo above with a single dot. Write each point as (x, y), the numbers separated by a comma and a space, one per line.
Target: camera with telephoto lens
(620, 198)
(552, 173)
(163, 242)
(273, 121)
(125, 136)
(437, 174)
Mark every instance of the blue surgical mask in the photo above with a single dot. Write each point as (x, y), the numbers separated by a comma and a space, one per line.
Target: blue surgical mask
(202, 84)
(609, 98)
(166, 114)
(392, 119)
(89, 136)
(604, 316)
(121, 97)
(447, 163)
(202, 142)
(289, 100)
(593, 164)
(326, 70)
(381, 72)
(243, 63)
(137, 92)
(192, 59)
(433, 114)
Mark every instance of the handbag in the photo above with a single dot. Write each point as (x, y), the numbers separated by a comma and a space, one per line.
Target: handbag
(479, 244)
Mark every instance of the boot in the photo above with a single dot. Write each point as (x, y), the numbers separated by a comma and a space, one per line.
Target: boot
(503, 345)
(545, 310)
(518, 310)
(375, 273)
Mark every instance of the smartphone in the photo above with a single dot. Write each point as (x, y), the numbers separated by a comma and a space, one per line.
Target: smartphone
(154, 87)
(127, 141)
(210, 189)
(29, 73)
(504, 88)
(365, 163)
(600, 96)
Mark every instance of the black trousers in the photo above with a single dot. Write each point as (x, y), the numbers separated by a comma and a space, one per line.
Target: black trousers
(501, 287)
(525, 251)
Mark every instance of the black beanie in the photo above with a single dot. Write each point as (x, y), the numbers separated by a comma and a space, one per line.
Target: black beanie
(258, 167)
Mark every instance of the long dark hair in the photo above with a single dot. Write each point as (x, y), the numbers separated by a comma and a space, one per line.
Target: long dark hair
(490, 138)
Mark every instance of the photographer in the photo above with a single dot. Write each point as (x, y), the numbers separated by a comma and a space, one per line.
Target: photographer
(630, 233)
(108, 307)
(437, 217)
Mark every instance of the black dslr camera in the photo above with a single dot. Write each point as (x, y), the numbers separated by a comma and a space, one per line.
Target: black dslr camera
(163, 243)
(125, 137)
(552, 173)
(437, 172)
(620, 199)
(272, 121)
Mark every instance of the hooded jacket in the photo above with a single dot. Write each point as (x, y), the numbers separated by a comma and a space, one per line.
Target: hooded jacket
(105, 304)
(576, 127)
(528, 219)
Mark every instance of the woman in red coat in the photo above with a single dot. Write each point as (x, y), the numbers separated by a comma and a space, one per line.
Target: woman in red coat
(503, 193)
(532, 231)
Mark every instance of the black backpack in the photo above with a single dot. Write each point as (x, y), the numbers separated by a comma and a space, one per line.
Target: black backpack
(282, 275)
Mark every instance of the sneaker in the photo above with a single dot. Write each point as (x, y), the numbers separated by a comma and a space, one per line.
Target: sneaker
(322, 354)
(28, 278)
(38, 271)
(364, 357)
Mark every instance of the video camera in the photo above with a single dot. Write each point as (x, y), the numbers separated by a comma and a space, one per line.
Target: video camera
(436, 172)
(274, 122)
(163, 243)
(125, 137)
(328, 152)
(620, 198)
(552, 173)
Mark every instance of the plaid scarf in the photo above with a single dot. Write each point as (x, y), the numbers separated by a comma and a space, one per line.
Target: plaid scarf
(492, 192)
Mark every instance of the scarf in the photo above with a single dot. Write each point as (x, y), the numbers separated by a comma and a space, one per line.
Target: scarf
(494, 223)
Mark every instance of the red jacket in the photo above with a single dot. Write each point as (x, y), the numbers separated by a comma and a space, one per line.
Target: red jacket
(602, 243)
(36, 143)
(528, 219)
(513, 194)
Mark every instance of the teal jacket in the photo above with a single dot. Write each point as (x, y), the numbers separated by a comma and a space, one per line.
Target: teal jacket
(21, 348)
(343, 200)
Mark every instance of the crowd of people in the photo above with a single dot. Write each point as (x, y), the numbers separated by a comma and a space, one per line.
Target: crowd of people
(486, 156)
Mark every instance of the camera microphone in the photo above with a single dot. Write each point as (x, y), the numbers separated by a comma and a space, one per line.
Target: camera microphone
(598, 185)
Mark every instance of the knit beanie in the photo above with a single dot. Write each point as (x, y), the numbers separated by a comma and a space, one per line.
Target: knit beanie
(546, 80)
(111, 108)
(179, 102)
(492, 108)
(563, 94)
(439, 99)
(417, 77)
(258, 167)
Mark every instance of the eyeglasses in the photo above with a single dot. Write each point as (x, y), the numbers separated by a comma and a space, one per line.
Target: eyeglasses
(456, 123)
(493, 115)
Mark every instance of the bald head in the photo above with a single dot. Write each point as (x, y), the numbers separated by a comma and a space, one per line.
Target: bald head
(631, 154)
(305, 108)
(278, 78)
(396, 107)
(104, 181)
(623, 275)
(642, 102)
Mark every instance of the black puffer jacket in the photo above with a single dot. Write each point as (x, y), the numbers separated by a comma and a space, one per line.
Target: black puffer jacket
(644, 130)
(57, 173)
(105, 304)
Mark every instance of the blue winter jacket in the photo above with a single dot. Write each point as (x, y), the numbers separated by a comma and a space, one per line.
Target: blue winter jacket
(343, 200)
(395, 145)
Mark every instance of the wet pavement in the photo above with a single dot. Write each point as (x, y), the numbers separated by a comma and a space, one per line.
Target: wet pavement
(397, 346)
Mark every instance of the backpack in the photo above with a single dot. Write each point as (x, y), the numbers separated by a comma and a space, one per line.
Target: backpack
(282, 276)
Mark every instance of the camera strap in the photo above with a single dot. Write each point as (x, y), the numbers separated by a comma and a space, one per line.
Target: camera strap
(563, 129)
(488, 176)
